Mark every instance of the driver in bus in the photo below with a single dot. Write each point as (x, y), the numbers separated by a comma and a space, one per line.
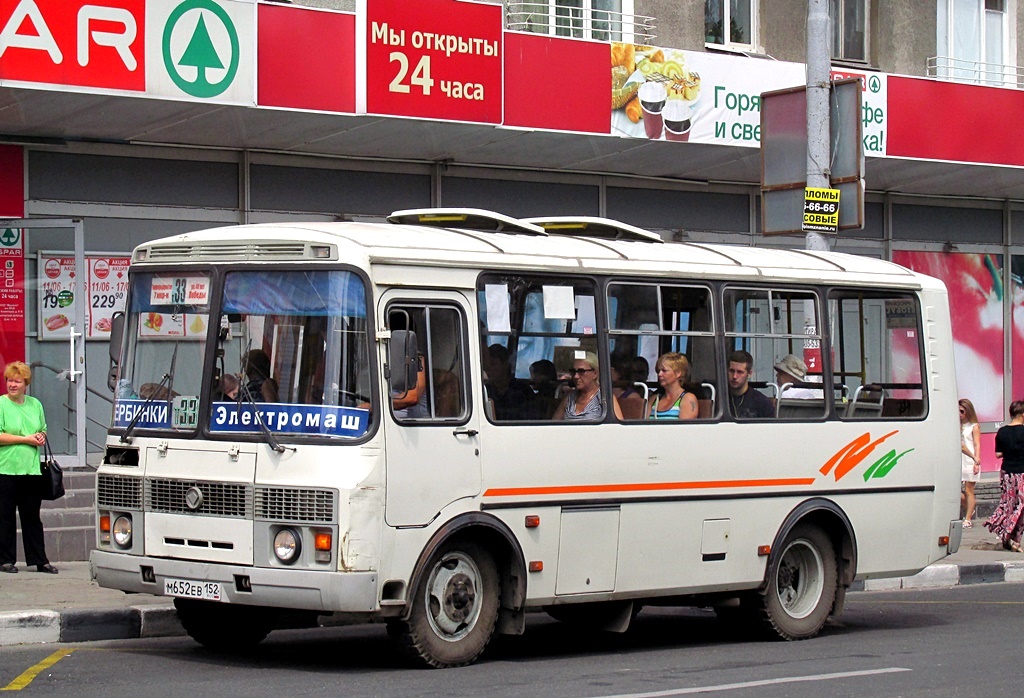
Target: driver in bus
(746, 402)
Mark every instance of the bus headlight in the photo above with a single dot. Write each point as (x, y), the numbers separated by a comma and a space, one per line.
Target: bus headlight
(287, 545)
(122, 531)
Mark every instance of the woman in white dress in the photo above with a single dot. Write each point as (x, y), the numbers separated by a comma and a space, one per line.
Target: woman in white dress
(970, 469)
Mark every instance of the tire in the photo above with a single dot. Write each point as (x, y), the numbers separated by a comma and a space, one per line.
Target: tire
(454, 608)
(224, 627)
(801, 585)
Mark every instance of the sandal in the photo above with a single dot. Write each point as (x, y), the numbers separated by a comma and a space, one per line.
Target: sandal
(1012, 546)
(968, 524)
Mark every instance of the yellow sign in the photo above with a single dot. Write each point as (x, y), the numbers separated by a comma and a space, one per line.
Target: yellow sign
(821, 210)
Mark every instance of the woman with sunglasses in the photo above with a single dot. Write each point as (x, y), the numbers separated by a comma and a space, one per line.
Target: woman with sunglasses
(584, 402)
(970, 470)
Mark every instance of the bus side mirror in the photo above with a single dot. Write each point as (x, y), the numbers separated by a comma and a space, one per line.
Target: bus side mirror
(114, 348)
(403, 361)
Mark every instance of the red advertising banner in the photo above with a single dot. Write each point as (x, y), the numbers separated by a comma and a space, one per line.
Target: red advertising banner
(12, 181)
(306, 59)
(935, 120)
(434, 59)
(532, 100)
(88, 43)
(12, 295)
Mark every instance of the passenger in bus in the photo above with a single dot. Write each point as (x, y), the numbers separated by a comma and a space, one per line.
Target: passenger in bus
(631, 402)
(674, 402)
(789, 370)
(228, 387)
(584, 401)
(746, 402)
(544, 382)
(260, 386)
(511, 398)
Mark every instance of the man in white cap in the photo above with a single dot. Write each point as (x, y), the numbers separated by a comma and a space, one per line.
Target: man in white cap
(789, 370)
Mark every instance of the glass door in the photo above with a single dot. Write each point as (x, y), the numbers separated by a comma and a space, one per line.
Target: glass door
(44, 315)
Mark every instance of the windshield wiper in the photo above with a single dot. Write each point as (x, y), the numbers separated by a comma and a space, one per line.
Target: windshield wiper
(167, 381)
(243, 390)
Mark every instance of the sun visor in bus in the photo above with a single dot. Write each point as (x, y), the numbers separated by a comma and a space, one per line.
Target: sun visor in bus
(314, 293)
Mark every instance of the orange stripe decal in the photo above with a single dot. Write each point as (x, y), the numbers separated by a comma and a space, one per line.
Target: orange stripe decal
(647, 487)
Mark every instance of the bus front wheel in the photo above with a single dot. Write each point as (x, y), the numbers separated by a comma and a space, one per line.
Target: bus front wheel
(801, 585)
(454, 608)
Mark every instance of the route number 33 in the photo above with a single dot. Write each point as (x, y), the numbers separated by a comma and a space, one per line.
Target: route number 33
(420, 75)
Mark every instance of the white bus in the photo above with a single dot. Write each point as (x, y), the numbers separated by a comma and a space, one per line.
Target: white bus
(359, 420)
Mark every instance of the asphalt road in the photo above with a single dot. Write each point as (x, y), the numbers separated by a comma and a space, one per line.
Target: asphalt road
(939, 642)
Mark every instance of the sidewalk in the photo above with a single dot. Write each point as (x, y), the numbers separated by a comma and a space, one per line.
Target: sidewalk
(69, 607)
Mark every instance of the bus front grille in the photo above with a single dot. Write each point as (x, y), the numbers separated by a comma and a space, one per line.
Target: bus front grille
(228, 499)
(119, 492)
(295, 504)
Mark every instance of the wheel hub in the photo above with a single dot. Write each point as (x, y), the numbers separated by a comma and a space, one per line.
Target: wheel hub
(459, 597)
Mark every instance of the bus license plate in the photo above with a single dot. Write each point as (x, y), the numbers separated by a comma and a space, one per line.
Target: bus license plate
(208, 591)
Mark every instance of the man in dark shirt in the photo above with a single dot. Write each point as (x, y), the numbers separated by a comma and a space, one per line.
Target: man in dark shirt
(745, 402)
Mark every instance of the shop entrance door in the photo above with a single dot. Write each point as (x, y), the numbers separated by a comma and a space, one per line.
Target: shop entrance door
(43, 311)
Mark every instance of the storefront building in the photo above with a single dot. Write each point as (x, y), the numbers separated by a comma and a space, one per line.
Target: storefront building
(128, 120)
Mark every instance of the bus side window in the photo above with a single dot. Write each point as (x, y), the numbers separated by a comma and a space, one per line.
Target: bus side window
(647, 321)
(877, 347)
(440, 390)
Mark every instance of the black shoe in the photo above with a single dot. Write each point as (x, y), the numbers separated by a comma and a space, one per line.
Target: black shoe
(48, 568)
(9, 567)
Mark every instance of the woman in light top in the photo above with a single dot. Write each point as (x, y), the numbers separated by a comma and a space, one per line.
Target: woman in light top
(675, 402)
(970, 455)
(584, 402)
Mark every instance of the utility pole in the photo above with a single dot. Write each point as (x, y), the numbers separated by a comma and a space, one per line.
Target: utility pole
(818, 87)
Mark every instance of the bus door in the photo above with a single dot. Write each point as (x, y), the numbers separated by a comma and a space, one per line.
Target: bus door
(431, 432)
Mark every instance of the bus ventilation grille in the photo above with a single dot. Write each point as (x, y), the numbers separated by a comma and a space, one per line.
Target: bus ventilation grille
(242, 250)
(228, 499)
(295, 504)
(119, 492)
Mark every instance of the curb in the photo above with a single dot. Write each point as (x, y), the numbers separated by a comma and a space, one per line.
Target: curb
(938, 576)
(41, 626)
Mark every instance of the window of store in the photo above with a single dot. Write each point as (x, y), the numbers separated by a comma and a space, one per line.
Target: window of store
(849, 36)
(731, 23)
(973, 41)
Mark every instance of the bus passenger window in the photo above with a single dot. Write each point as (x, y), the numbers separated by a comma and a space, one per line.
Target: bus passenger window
(877, 349)
(440, 389)
(779, 331)
(650, 321)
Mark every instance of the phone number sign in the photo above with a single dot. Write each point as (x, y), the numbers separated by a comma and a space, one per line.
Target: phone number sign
(821, 210)
(434, 59)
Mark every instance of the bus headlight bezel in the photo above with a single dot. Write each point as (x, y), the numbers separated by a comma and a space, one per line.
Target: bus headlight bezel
(287, 546)
(121, 531)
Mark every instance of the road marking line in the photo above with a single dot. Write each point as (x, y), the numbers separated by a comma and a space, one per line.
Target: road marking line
(32, 672)
(763, 682)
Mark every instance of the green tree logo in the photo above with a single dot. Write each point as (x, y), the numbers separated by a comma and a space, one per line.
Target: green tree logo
(10, 237)
(201, 52)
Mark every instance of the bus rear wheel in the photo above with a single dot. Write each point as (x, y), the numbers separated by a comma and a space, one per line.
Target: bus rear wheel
(224, 627)
(801, 585)
(454, 608)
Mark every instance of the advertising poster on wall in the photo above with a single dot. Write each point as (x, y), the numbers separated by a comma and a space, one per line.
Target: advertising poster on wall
(974, 282)
(106, 281)
(12, 296)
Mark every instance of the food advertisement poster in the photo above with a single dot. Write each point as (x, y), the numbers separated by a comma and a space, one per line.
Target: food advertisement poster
(974, 282)
(675, 95)
(106, 283)
(12, 295)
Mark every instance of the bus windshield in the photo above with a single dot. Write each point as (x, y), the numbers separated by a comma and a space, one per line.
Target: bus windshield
(292, 353)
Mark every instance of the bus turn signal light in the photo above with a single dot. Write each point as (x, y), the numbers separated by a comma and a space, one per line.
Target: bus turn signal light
(105, 523)
(943, 541)
(536, 565)
(763, 550)
(532, 521)
(322, 541)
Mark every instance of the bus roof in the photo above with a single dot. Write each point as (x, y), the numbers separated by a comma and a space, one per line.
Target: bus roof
(366, 244)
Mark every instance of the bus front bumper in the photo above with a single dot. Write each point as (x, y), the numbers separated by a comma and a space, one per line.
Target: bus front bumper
(343, 592)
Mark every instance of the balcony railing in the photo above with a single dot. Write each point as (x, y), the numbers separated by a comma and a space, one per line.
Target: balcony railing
(579, 22)
(960, 70)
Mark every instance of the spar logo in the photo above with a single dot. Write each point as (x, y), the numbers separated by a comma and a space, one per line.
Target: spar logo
(200, 48)
(10, 237)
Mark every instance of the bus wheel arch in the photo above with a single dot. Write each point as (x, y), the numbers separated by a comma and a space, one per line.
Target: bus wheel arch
(812, 563)
(468, 584)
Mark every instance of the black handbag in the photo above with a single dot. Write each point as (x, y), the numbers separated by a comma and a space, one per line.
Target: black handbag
(52, 481)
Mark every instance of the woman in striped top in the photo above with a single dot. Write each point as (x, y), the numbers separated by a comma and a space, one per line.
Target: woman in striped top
(674, 403)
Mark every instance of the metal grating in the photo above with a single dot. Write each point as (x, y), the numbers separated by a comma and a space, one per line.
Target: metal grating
(228, 499)
(244, 250)
(119, 492)
(298, 505)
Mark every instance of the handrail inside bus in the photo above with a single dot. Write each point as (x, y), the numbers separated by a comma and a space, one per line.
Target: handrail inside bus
(595, 227)
(465, 218)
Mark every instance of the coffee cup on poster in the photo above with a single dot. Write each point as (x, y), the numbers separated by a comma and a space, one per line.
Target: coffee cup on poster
(652, 101)
(677, 117)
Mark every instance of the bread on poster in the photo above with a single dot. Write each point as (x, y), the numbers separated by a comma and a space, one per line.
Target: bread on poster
(622, 91)
(624, 55)
(633, 111)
